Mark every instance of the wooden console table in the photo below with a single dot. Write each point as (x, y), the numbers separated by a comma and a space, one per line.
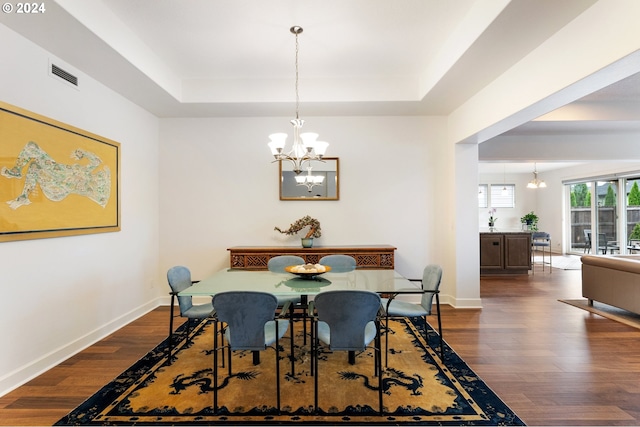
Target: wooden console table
(256, 257)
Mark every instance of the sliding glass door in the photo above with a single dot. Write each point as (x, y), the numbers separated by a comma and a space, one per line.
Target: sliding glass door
(604, 215)
(580, 218)
(607, 218)
(632, 226)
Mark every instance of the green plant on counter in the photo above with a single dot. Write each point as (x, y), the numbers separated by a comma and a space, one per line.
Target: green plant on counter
(531, 220)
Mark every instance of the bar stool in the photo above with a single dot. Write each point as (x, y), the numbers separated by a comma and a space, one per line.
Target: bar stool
(540, 239)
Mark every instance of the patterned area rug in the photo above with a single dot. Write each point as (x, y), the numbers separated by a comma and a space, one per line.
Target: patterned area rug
(418, 387)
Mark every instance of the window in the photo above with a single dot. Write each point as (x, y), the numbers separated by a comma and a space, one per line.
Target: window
(483, 196)
(497, 195)
(503, 196)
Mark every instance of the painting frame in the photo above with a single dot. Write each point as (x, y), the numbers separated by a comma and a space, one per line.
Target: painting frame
(56, 180)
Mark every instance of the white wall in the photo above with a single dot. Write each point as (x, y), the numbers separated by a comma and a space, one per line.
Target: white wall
(62, 294)
(219, 188)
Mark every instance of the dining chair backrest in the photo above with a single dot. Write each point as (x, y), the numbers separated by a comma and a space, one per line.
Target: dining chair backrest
(339, 263)
(431, 278)
(179, 279)
(278, 263)
(347, 312)
(245, 313)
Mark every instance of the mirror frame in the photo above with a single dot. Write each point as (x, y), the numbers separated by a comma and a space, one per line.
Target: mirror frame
(337, 196)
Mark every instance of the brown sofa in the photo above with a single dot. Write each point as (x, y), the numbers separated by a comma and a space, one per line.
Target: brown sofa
(613, 280)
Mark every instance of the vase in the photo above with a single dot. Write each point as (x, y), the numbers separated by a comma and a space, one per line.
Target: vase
(307, 242)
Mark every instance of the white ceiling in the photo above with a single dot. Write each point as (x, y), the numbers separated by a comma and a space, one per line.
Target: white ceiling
(201, 58)
(236, 57)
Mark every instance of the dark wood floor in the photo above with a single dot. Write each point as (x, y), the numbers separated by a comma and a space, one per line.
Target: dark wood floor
(553, 364)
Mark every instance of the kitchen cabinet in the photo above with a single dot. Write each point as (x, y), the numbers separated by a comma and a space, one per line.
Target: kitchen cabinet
(505, 253)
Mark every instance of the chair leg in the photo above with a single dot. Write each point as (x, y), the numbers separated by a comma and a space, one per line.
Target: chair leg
(312, 359)
(386, 335)
(304, 328)
(314, 346)
(379, 368)
(439, 328)
(277, 370)
(170, 349)
(533, 260)
(222, 343)
(215, 367)
(386, 341)
(304, 305)
(293, 358)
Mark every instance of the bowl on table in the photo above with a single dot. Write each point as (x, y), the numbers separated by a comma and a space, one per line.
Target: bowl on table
(307, 271)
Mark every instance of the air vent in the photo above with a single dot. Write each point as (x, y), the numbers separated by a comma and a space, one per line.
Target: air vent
(64, 75)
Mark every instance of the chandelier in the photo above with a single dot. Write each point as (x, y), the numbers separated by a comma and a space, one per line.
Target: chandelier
(309, 180)
(305, 145)
(535, 182)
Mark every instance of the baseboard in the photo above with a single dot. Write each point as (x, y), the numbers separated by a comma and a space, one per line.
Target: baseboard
(26, 373)
(463, 302)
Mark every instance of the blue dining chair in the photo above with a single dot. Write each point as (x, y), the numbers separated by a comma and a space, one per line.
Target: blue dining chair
(339, 263)
(179, 279)
(431, 278)
(277, 264)
(251, 324)
(346, 320)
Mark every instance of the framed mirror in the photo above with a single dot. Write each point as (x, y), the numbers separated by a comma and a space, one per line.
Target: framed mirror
(321, 182)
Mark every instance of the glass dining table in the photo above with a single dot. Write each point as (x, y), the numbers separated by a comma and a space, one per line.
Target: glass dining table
(288, 284)
(388, 283)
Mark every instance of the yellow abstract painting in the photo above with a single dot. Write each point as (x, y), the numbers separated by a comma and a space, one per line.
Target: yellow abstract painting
(55, 180)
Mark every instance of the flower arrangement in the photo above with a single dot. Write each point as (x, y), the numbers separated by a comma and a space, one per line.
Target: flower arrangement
(306, 221)
(492, 219)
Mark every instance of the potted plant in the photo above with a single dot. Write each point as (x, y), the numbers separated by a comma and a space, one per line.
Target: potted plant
(531, 220)
(492, 218)
(306, 221)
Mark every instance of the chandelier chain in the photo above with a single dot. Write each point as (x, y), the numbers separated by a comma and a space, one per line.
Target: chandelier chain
(297, 73)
